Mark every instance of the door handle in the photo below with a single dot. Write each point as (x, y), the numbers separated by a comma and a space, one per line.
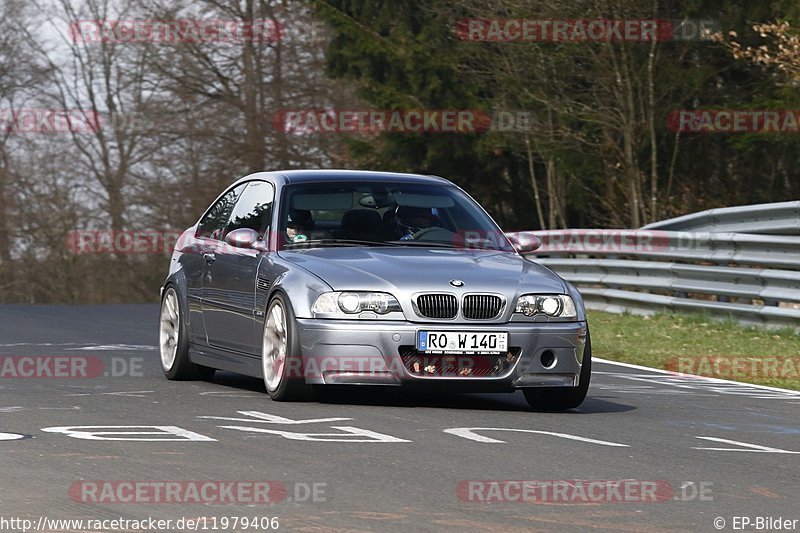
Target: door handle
(210, 258)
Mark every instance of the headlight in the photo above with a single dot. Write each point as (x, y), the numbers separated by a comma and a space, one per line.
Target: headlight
(352, 303)
(554, 305)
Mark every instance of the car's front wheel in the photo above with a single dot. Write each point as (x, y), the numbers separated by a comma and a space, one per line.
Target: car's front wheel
(281, 364)
(173, 342)
(561, 398)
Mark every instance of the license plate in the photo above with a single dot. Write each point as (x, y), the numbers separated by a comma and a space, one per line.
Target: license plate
(462, 342)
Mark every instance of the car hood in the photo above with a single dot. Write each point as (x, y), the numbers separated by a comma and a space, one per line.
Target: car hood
(405, 270)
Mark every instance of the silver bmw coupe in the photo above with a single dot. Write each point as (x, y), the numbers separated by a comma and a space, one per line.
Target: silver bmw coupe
(315, 278)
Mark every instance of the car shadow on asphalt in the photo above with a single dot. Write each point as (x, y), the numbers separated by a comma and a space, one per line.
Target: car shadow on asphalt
(409, 397)
(514, 401)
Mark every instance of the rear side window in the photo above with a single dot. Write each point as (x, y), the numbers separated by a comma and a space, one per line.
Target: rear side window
(212, 226)
(253, 209)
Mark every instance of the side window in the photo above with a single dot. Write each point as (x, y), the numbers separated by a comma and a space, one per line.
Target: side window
(254, 208)
(212, 225)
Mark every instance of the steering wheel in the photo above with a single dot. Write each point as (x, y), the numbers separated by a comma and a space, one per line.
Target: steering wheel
(434, 234)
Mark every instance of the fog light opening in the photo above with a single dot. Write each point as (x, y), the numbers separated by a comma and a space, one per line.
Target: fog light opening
(548, 359)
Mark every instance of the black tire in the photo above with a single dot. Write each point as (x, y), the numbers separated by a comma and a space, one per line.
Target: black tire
(291, 386)
(181, 367)
(562, 398)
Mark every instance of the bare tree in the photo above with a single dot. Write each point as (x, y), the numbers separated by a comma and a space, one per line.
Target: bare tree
(19, 76)
(104, 81)
(220, 99)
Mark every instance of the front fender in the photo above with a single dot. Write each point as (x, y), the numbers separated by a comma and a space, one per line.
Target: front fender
(301, 287)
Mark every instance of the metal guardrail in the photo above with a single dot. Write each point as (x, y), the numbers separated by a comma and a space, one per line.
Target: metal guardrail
(781, 218)
(773, 251)
(763, 285)
(753, 278)
(617, 301)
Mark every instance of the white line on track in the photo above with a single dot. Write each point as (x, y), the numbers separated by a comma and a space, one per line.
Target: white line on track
(787, 392)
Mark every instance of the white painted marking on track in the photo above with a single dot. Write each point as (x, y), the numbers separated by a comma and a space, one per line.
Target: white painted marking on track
(115, 348)
(787, 392)
(745, 447)
(127, 394)
(18, 408)
(130, 433)
(349, 434)
(691, 383)
(469, 433)
(86, 347)
(12, 436)
(265, 418)
(12, 344)
(642, 389)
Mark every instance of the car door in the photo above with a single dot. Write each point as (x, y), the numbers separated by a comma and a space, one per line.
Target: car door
(229, 280)
(207, 240)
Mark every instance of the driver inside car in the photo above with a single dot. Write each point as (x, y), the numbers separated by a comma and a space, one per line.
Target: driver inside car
(299, 225)
(411, 220)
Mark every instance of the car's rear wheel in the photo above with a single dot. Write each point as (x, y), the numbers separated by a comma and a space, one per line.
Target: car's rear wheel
(174, 343)
(281, 364)
(561, 398)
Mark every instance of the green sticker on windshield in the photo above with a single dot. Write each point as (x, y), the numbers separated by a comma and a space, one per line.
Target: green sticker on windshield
(299, 238)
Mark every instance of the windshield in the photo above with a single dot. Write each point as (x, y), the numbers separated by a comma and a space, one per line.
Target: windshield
(385, 214)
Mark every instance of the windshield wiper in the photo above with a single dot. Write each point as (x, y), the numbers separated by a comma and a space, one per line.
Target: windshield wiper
(447, 244)
(358, 242)
(437, 244)
(339, 242)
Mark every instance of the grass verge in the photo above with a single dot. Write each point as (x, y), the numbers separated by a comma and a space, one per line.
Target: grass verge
(697, 344)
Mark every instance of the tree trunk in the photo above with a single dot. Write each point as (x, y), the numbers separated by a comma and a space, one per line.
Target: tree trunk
(653, 141)
(534, 184)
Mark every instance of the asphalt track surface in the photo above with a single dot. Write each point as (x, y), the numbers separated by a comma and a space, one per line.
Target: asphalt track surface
(415, 453)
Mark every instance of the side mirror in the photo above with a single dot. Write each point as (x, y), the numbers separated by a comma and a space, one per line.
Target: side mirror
(524, 241)
(245, 238)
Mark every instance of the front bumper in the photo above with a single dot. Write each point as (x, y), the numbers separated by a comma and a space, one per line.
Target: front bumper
(357, 352)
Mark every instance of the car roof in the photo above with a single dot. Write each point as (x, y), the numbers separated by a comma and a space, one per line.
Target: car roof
(308, 176)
